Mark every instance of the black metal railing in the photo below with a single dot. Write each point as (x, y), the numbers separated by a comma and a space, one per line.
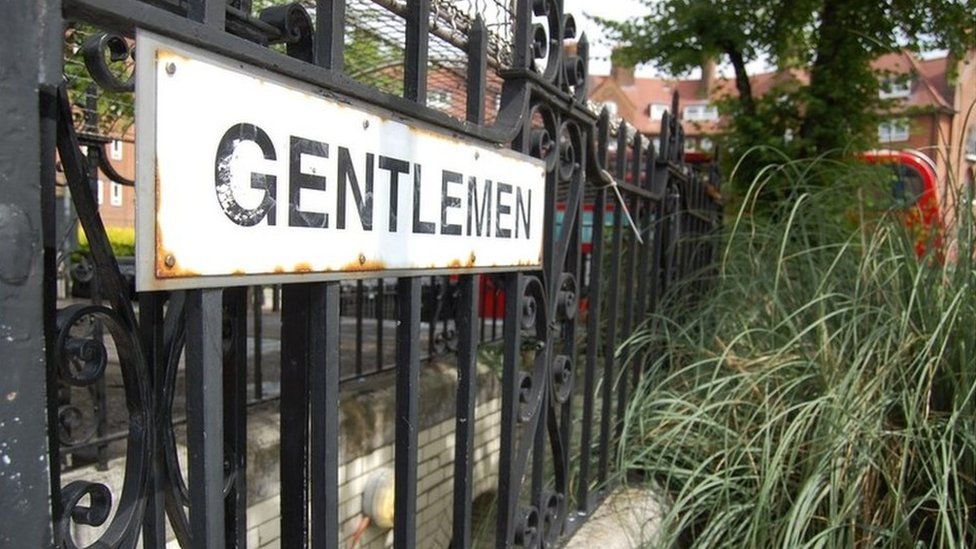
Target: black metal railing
(516, 72)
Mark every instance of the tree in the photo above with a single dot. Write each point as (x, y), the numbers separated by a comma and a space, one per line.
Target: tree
(837, 109)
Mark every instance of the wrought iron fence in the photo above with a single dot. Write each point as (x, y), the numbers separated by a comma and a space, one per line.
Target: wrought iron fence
(624, 223)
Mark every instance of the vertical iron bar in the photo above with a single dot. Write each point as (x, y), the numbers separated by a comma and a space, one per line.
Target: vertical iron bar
(380, 305)
(494, 311)
(522, 51)
(330, 23)
(477, 66)
(359, 328)
(631, 265)
(407, 389)
(293, 404)
(204, 406)
(99, 388)
(592, 346)
(415, 61)
(324, 406)
(235, 413)
(209, 12)
(258, 342)
(151, 332)
(482, 308)
(613, 297)
(508, 485)
(27, 81)
(467, 393)
(433, 301)
(51, 229)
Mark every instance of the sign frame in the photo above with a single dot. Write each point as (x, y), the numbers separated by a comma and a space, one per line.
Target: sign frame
(148, 259)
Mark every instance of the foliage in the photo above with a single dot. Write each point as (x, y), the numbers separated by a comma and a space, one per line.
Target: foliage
(122, 239)
(837, 108)
(368, 57)
(823, 393)
(108, 113)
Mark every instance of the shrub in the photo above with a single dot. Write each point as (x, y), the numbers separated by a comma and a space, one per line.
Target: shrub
(122, 239)
(823, 393)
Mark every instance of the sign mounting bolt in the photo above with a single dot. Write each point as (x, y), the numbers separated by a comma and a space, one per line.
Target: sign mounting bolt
(170, 260)
(170, 68)
(365, 124)
(362, 259)
(477, 155)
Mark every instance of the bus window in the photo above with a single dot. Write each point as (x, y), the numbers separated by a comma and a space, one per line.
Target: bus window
(907, 185)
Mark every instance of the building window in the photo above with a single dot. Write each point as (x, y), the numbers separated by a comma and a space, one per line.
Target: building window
(99, 192)
(700, 112)
(971, 144)
(895, 88)
(893, 131)
(439, 99)
(691, 144)
(706, 144)
(116, 151)
(116, 198)
(656, 110)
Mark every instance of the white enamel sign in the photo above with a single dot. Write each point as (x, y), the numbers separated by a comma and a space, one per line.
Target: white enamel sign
(248, 178)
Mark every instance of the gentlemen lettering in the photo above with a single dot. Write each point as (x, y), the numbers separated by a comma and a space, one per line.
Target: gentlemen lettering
(470, 204)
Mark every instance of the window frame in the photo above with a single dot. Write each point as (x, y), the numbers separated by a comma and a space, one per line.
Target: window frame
(887, 130)
(706, 112)
(116, 149)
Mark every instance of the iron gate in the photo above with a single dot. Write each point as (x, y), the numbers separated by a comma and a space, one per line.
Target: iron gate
(524, 73)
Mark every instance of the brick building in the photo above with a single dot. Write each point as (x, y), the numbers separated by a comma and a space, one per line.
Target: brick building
(930, 112)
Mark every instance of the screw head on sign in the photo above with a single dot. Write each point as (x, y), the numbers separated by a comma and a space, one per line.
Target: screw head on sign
(477, 155)
(362, 259)
(170, 68)
(170, 260)
(365, 124)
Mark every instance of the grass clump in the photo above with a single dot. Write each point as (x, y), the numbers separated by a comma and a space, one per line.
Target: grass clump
(822, 394)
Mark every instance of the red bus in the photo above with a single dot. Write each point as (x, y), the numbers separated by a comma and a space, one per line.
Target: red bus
(914, 191)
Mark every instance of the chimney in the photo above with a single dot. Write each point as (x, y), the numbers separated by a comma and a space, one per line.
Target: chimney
(621, 71)
(707, 78)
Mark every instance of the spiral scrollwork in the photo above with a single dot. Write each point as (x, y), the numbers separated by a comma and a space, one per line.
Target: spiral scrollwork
(527, 528)
(295, 27)
(553, 512)
(82, 360)
(561, 376)
(94, 51)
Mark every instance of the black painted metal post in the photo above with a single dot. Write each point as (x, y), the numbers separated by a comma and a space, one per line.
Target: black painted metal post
(467, 321)
(295, 315)
(324, 408)
(359, 328)
(204, 410)
(330, 34)
(407, 394)
(630, 266)
(508, 483)
(465, 416)
(258, 320)
(595, 303)
(33, 31)
(151, 327)
(380, 304)
(235, 413)
(613, 296)
(415, 52)
(209, 12)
